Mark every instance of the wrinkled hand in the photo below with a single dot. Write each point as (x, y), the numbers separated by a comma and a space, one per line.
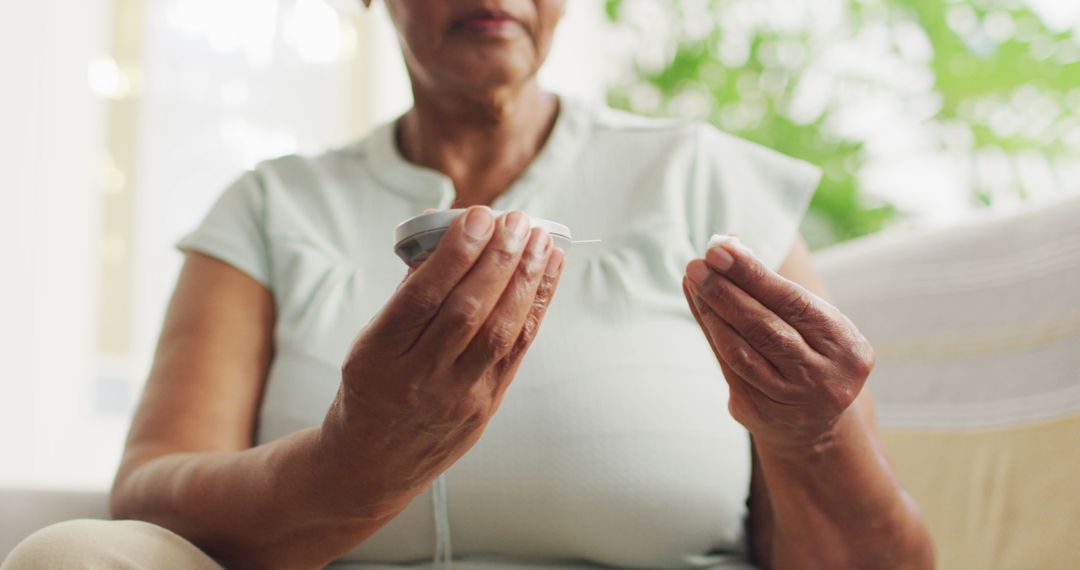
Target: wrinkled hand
(793, 362)
(423, 379)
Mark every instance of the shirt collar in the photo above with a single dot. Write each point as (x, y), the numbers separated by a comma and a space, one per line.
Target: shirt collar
(434, 189)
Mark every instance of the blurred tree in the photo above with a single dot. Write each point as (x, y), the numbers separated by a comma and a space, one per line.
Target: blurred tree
(987, 80)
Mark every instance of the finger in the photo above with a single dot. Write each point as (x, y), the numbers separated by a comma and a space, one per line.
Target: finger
(545, 293)
(500, 332)
(418, 299)
(747, 404)
(408, 274)
(758, 325)
(790, 301)
(697, 316)
(734, 352)
(467, 307)
(745, 400)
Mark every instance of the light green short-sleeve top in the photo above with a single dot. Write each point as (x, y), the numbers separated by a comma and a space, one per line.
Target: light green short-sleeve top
(614, 444)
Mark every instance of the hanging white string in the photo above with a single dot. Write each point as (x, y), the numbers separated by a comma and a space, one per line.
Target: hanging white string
(443, 559)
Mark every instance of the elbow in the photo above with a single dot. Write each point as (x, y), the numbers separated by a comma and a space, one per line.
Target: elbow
(120, 507)
(914, 555)
(905, 545)
(909, 553)
(899, 542)
(918, 548)
(914, 544)
(923, 555)
(124, 496)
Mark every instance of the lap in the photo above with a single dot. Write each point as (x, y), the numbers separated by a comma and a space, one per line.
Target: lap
(93, 544)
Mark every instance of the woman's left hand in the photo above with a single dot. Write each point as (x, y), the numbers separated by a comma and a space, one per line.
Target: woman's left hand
(793, 362)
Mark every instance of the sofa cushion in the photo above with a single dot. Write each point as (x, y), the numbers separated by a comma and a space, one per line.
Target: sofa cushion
(22, 512)
(999, 497)
(977, 333)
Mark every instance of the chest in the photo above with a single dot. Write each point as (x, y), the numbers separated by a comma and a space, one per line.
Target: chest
(612, 444)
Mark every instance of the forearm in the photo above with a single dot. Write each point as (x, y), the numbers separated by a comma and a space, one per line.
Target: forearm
(281, 504)
(837, 504)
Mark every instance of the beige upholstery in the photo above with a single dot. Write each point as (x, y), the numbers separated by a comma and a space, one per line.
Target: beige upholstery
(106, 545)
(25, 511)
(977, 331)
(999, 498)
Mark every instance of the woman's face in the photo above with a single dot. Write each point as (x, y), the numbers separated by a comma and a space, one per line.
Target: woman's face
(474, 44)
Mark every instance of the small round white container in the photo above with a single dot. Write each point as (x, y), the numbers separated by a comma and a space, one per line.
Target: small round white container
(417, 237)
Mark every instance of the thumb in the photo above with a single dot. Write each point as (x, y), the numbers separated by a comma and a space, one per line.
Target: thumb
(421, 294)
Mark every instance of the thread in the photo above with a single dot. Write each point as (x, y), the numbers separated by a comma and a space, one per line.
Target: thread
(443, 558)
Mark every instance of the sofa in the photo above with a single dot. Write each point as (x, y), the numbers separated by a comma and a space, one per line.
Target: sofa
(977, 332)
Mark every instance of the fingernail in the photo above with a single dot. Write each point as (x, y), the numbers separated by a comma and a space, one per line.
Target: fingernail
(697, 272)
(554, 262)
(720, 258)
(478, 223)
(517, 224)
(539, 244)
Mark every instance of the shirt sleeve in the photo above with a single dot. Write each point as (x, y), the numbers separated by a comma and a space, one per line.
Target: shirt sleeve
(234, 230)
(747, 190)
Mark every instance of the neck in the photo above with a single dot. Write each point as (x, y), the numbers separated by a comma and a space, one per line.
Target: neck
(483, 143)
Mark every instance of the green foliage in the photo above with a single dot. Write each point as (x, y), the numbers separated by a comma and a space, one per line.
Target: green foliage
(989, 62)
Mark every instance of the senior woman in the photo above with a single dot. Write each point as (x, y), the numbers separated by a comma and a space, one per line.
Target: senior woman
(273, 434)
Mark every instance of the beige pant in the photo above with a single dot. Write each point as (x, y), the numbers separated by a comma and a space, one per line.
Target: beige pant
(137, 545)
(95, 544)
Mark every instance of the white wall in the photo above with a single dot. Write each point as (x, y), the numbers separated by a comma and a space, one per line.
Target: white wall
(52, 133)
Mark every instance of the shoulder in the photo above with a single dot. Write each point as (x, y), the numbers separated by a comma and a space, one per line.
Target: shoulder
(297, 169)
(726, 184)
(309, 196)
(313, 182)
(613, 125)
(694, 143)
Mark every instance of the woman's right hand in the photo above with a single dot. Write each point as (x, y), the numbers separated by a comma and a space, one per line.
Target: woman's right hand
(423, 379)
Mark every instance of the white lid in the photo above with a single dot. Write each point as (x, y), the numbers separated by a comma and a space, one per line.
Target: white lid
(442, 219)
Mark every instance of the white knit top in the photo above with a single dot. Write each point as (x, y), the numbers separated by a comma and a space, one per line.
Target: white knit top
(614, 444)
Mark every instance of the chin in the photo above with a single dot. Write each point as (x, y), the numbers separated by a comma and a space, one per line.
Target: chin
(490, 64)
(492, 77)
